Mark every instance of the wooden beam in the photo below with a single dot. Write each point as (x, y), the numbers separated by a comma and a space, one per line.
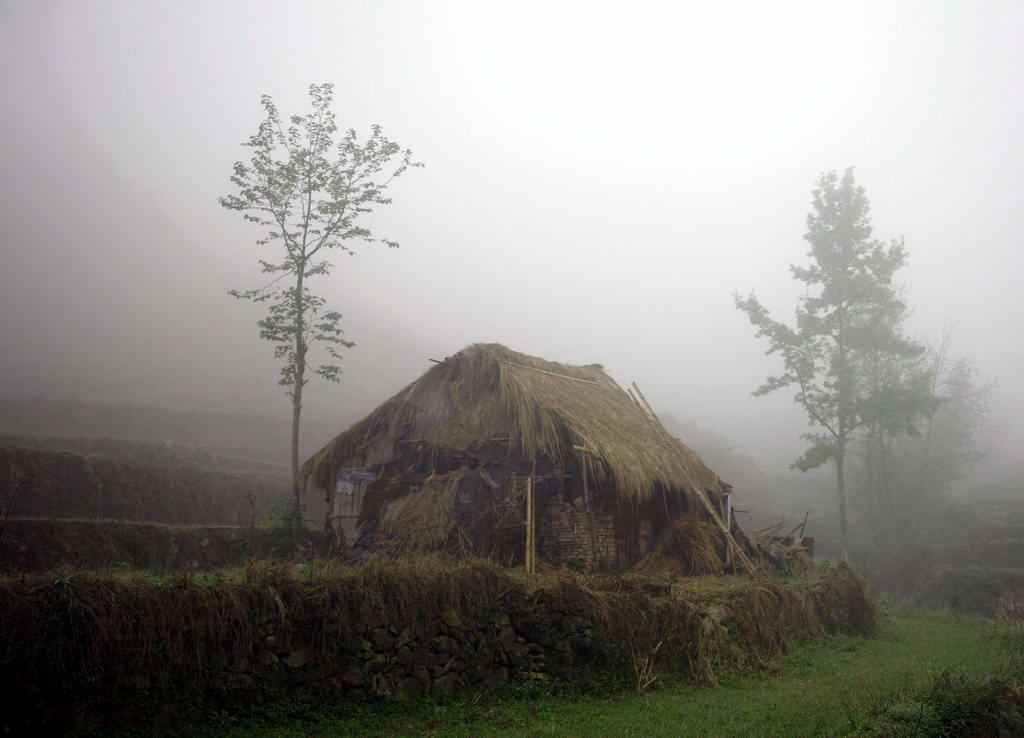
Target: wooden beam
(531, 544)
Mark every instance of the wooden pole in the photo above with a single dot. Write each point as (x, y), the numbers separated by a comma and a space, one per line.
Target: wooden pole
(531, 564)
(586, 489)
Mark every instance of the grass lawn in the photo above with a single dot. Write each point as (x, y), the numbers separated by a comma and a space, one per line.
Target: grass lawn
(823, 688)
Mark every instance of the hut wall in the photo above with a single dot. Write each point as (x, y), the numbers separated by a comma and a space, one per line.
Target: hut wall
(570, 536)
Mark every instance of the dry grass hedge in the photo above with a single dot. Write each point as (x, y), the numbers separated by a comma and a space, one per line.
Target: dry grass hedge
(77, 647)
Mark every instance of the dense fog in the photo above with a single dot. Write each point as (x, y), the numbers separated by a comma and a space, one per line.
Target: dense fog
(599, 181)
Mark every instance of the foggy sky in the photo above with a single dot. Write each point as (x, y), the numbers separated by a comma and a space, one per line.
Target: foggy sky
(599, 180)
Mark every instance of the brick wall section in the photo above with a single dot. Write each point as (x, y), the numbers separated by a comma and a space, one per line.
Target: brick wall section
(569, 536)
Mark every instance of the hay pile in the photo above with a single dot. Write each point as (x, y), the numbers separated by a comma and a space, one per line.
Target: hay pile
(423, 519)
(689, 547)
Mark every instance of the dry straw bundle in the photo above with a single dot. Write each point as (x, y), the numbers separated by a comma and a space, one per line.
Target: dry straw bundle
(424, 518)
(690, 547)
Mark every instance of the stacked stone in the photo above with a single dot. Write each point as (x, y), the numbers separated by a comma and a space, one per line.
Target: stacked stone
(408, 662)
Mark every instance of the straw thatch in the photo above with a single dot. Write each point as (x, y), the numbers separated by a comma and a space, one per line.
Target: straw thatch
(542, 409)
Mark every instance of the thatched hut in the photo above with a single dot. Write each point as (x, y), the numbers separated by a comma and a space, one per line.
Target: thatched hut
(460, 458)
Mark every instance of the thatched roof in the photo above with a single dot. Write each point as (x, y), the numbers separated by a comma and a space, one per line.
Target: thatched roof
(545, 409)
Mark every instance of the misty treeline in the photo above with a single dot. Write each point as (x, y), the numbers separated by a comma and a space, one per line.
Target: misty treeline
(311, 191)
(898, 419)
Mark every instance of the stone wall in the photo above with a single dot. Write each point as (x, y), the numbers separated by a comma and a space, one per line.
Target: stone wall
(115, 645)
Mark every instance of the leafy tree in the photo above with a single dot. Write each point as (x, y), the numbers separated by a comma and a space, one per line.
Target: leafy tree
(899, 396)
(850, 307)
(311, 190)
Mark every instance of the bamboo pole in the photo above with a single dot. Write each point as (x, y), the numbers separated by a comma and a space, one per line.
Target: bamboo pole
(729, 539)
(550, 374)
(740, 553)
(531, 550)
(647, 405)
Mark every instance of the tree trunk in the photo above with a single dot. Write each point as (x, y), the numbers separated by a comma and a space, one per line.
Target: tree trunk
(300, 380)
(870, 490)
(296, 491)
(841, 492)
(842, 428)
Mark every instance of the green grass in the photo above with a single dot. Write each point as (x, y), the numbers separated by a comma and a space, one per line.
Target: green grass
(829, 687)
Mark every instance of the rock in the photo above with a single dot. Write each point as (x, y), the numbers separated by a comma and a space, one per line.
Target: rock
(507, 636)
(502, 620)
(380, 685)
(137, 681)
(447, 685)
(424, 676)
(297, 659)
(451, 618)
(353, 676)
(231, 680)
(439, 643)
(377, 663)
(533, 632)
(271, 641)
(495, 678)
(383, 640)
(403, 656)
(364, 645)
(407, 689)
(269, 659)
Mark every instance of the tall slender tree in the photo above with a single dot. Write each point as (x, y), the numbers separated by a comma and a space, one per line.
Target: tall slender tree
(311, 190)
(848, 308)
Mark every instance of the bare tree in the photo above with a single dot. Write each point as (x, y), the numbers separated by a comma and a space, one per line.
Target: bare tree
(311, 191)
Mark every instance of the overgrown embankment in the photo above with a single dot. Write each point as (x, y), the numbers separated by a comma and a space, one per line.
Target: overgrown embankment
(42, 482)
(38, 544)
(927, 674)
(84, 649)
